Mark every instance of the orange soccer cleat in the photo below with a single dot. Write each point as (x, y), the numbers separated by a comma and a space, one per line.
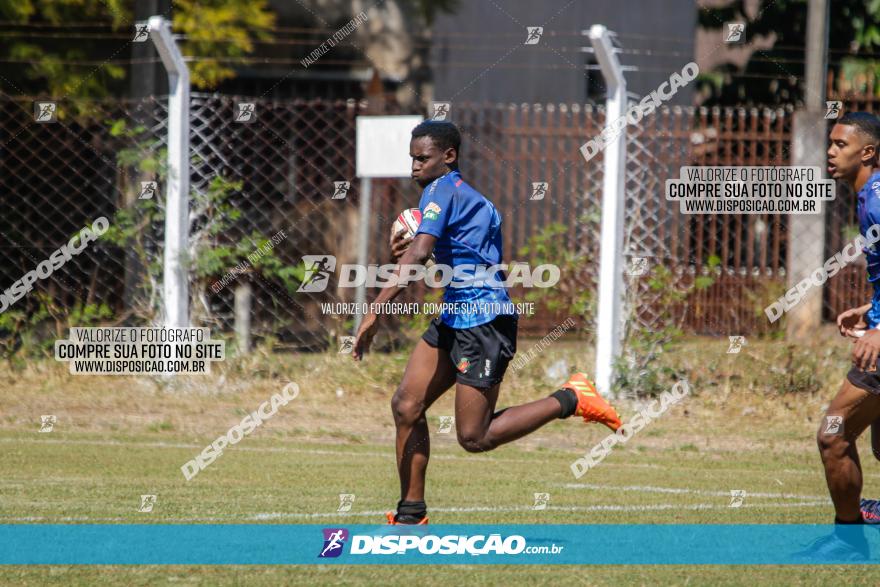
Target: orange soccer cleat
(592, 407)
(392, 520)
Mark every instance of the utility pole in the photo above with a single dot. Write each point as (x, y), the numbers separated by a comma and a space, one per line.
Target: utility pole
(175, 276)
(146, 79)
(611, 287)
(806, 233)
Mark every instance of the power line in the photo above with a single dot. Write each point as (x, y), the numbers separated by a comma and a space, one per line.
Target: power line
(68, 35)
(418, 42)
(86, 63)
(366, 63)
(325, 31)
(64, 25)
(431, 45)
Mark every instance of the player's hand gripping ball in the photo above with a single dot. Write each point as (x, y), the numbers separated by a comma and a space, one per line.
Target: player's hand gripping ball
(407, 223)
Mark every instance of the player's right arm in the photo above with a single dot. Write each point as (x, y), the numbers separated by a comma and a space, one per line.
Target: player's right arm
(866, 350)
(852, 320)
(416, 254)
(398, 243)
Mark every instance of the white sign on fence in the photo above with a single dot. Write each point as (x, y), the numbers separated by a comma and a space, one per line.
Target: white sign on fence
(383, 145)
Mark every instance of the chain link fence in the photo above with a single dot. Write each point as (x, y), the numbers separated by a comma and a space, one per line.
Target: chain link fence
(277, 175)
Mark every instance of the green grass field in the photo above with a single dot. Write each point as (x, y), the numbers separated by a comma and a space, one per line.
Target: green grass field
(118, 438)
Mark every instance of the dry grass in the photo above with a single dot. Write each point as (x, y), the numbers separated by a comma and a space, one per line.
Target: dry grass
(117, 437)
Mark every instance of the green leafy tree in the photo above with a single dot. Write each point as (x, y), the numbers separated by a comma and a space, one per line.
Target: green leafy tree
(210, 253)
(775, 76)
(222, 28)
(56, 60)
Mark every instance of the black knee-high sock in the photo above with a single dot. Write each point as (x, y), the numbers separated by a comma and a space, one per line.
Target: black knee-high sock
(416, 509)
(568, 400)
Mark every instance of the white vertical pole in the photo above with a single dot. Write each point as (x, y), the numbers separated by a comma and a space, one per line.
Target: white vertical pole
(806, 232)
(175, 282)
(243, 306)
(363, 242)
(611, 291)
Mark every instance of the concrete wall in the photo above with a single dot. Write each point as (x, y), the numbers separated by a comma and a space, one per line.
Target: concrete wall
(468, 43)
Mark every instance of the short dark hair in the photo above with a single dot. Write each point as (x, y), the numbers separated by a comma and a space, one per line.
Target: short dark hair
(866, 122)
(444, 134)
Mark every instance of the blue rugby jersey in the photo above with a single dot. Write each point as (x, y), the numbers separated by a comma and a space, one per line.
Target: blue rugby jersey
(468, 231)
(869, 215)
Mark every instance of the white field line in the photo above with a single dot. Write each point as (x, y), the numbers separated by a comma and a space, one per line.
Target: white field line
(652, 489)
(377, 513)
(198, 447)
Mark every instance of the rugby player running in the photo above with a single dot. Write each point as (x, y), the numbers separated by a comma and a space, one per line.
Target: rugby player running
(853, 158)
(470, 350)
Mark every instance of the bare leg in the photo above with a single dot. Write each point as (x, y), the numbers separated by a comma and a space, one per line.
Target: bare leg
(428, 375)
(875, 439)
(480, 429)
(856, 409)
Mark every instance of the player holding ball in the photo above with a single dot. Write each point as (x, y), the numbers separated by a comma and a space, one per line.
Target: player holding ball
(460, 226)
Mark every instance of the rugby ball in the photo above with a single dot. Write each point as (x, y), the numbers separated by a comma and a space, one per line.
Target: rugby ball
(409, 221)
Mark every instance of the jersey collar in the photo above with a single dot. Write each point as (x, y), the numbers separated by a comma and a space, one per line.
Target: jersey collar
(868, 187)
